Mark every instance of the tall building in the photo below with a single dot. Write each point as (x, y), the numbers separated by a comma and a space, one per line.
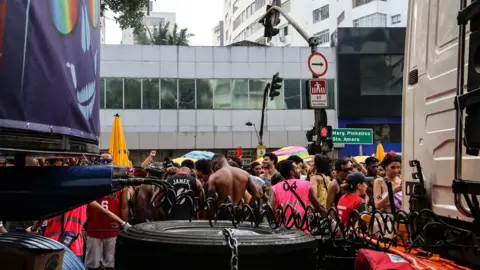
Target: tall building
(218, 38)
(150, 21)
(318, 17)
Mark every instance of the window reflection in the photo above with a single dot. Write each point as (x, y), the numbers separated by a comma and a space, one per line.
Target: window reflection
(278, 103)
(168, 92)
(186, 92)
(291, 88)
(114, 93)
(381, 74)
(330, 91)
(239, 94)
(151, 94)
(101, 88)
(256, 90)
(205, 94)
(222, 94)
(133, 93)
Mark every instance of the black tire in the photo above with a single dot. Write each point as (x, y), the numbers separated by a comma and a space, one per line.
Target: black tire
(196, 245)
(24, 240)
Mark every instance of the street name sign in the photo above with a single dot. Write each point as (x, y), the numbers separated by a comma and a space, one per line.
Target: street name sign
(317, 93)
(352, 135)
(317, 63)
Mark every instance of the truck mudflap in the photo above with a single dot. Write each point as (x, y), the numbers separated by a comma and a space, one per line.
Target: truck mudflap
(49, 72)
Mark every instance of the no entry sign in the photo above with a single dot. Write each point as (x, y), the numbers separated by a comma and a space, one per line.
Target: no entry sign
(317, 93)
(317, 63)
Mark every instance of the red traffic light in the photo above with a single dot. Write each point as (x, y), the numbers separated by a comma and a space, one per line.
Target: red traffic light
(325, 132)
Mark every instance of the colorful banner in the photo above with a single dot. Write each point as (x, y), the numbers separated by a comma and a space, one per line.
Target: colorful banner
(50, 66)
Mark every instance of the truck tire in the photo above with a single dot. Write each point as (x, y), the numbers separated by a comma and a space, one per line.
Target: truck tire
(196, 245)
(37, 242)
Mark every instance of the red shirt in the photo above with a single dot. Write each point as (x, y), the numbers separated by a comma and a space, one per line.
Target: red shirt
(100, 226)
(346, 205)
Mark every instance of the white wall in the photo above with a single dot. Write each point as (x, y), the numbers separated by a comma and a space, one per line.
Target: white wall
(208, 129)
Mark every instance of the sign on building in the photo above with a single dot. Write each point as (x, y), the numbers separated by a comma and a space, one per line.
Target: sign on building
(352, 135)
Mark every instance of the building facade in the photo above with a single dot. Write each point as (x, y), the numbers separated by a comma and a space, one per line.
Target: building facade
(103, 29)
(370, 81)
(175, 99)
(150, 21)
(318, 17)
(218, 36)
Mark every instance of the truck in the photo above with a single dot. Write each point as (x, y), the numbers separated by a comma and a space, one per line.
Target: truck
(440, 111)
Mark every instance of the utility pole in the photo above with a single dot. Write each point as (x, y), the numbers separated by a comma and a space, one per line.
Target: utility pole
(270, 20)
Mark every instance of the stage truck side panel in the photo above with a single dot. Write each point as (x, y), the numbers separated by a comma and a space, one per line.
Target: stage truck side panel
(428, 110)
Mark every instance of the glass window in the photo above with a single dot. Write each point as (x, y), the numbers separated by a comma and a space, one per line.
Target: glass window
(205, 94)
(186, 92)
(381, 74)
(330, 91)
(101, 88)
(292, 94)
(239, 94)
(133, 93)
(168, 94)
(256, 89)
(222, 94)
(151, 94)
(114, 93)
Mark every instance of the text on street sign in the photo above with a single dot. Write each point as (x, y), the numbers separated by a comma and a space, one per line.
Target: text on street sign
(352, 135)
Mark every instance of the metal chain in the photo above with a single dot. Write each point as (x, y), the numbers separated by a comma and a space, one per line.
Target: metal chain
(233, 244)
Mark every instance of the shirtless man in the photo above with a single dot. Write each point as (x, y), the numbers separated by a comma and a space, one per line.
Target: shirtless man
(231, 182)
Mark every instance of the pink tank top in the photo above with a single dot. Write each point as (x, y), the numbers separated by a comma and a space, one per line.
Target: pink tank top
(285, 196)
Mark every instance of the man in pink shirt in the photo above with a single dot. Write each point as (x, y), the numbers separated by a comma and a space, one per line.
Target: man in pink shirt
(298, 193)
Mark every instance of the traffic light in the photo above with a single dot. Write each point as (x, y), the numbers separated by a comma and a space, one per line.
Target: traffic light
(310, 134)
(325, 132)
(275, 86)
(271, 20)
(326, 146)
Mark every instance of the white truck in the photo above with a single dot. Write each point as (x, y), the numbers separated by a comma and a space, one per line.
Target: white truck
(435, 52)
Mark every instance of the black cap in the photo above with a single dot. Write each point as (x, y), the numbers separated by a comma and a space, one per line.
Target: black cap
(356, 178)
(371, 160)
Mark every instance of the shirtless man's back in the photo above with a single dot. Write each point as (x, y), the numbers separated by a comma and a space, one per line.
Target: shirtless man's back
(231, 182)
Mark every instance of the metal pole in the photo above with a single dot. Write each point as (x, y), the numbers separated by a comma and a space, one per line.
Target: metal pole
(320, 114)
(459, 115)
(256, 133)
(360, 149)
(264, 106)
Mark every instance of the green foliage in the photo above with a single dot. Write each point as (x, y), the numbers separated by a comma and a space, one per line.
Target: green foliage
(129, 13)
(162, 35)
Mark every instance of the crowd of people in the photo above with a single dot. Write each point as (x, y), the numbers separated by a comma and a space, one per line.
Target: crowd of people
(344, 184)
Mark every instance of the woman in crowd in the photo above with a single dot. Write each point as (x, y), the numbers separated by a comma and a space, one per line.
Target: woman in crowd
(354, 188)
(320, 178)
(392, 164)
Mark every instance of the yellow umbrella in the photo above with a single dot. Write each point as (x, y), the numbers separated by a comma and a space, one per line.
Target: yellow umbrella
(361, 159)
(181, 159)
(380, 153)
(118, 147)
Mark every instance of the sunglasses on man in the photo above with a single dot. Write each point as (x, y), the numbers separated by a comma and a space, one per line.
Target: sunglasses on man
(105, 161)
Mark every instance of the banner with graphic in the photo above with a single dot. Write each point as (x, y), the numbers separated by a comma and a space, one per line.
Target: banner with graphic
(50, 66)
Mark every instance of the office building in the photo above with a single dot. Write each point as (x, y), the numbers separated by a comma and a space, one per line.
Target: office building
(150, 21)
(176, 99)
(218, 38)
(318, 17)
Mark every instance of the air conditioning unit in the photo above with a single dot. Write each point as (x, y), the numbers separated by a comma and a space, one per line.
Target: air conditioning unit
(283, 39)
